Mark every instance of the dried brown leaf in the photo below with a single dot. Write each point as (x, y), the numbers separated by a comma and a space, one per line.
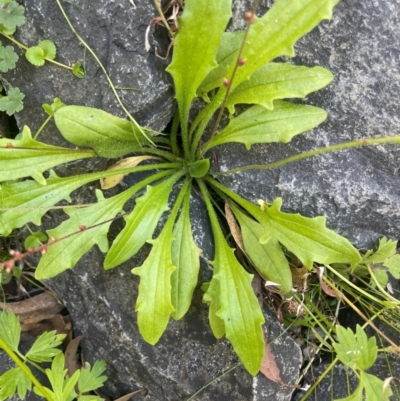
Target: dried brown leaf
(33, 310)
(327, 290)
(269, 368)
(110, 182)
(70, 356)
(127, 396)
(233, 226)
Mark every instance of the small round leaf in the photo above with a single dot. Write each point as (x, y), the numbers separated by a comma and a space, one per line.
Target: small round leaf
(49, 49)
(35, 240)
(35, 56)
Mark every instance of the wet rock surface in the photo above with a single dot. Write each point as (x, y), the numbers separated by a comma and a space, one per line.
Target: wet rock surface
(357, 190)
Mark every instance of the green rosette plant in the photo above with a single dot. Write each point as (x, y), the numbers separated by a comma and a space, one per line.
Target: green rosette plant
(225, 69)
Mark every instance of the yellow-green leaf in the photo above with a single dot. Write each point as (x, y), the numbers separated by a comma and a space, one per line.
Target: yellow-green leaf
(140, 223)
(185, 257)
(154, 303)
(275, 33)
(200, 29)
(239, 308)
(259, 125)
(278, 81)
(108, 135)
(268, 258)
(308, 238)
(29, 158)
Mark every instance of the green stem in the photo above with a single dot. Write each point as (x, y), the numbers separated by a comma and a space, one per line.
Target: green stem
(235, 197)
(382, 290)
(224, 92)
(174, 132)
(211, 212)
(319, 380)
(161, 14)
(341, 146)
(213, 381)
(158, 152)
(42, 126)
(203, 118)
(24, 368)
(105, 73)
(23, 47)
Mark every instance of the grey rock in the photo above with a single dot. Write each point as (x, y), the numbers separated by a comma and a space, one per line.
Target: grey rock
(357, 190)
(115, 30)
(340, 382)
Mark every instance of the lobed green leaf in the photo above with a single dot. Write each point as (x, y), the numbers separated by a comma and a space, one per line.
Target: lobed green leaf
(140, 223)
(154, 302)
(278, 81)
(108, 135)
(259, 125)
(10, 329)
(200, 30)
(28, 201)
(29, 158)
(65, 254)
(355, 350)
(308, 238)
(239, 308)
(86, 227)
(12, 103)
(268, 258)
(12, 15)
(14, 381)
(386, 249)
(8, 58)
(45, 347)
(90, 377)
(185, 258)
(63, 389)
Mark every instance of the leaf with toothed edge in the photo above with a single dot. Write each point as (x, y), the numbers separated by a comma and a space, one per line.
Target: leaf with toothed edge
(185, 257)
(154, 302)
(65, 254)
(308, 238)
(239, 308)
(260, 125)
(29, 158)
(278, 81)
(274, 34)
(28, 201)
(200, 30)
(140, 223)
